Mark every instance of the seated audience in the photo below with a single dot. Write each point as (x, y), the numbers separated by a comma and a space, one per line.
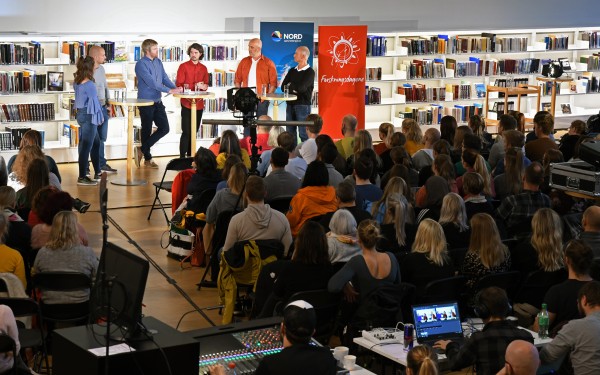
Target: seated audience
(398, 140)
(428, 260)
(314, 198)
(296, 165)
(280, 183)
(543, 126)
(458, 146)
(341, 239)
(424, 157)
(34, 138)
(477, 125)
(11, 260)
(580, 338)
(485, 349)
(442, 167)
(328, 155)
(396, 185)
(18, 234)
(414, 136)
(262, 138)
(230, 145)
(362, 143)
(265, 156)
(346, 198)
(206, 175)
(472, 161)
(8, 325)
(448, 127)
(308, 148)
(37, 178)
(366, 191)
(590, 223)
(569, 140)
(453, 220)
(486, 254)
(510, 182)
(436, 189)
(367, 271)
(470, 142)
(475, 201)
(397, 227)
(345, 145)
(521, 358)
(339, 163)
(512, 139)
(505, 122)
(386, 130)
(231, 160)
(441, 147)
(400, 167)
(543, 251)
(517, 210)
(422, 360)
(562, 298)
(64, 252)
(258, 221)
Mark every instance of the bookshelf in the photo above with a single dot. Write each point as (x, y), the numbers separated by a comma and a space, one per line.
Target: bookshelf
(445, 72)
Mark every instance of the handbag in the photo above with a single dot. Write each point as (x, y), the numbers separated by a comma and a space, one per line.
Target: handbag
(181, 242)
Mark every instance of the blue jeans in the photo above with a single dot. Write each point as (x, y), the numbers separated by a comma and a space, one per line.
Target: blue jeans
(261, 109)
(89, 143)
(297, 112)
(155, 113)
(103, 133)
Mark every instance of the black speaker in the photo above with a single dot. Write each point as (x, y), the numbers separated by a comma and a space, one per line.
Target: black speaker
(590, 153)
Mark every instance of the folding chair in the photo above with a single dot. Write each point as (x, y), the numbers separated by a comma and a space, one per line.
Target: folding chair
(178, 164)
(30, 337)
(62, 281)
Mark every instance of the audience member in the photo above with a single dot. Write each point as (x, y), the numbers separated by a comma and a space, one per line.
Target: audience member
(263, 134)
(33, 137)
(424, 157)
(265, 156)
(422, 360)
(11, 260)
(328, 155)
(17, 179)
(414, 136)
(366, 191)
(428, 260)
(362, 142)
(308, 149)
(510, 182)
(37, 178)
(562, 298)
(296, 165)
(258, 221)
(315, 198)
(397, 227)
(580, 338)
(543, 125)
(486, 254)
(386, 130)
(345, 145)
(231, 160)
(396, 185)
(230, 144)
(400, 167)
(442, 167)
(18, 234)
(521, 358)
(472, 161)
(441, 147)
(206, 175)
(436, 189)
(569, 140)
(453, 220)
(346, 198)
(477, 125)
(448, 127)
(341, 240)
(339, 163)
(458, 144)
(505, 122)
(590, 223)
(517, 210)
(475, 201)
(280, 183)
(8, 326)
(398, 140)
(512, 139)
(485, 349)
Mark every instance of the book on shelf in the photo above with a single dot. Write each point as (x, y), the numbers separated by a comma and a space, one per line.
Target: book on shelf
(17, 54)
(215, 105)
(74, 50)
(120, 53)
(480, 90)
(25, 81)
(219, 52)
(592, 38)
(221, 78)
(71, 134)
(554, 42)
(27, 112)
(592, 61)
(374, 95)
(17, 132)
(55, 81)
(566, 108)
(6, 141)
(374, 74)
(376, 45)
(314, 101)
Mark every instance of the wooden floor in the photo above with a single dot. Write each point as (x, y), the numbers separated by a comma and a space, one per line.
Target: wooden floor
(128, 206)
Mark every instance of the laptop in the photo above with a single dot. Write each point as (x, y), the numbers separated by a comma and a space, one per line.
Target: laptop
(439, 321)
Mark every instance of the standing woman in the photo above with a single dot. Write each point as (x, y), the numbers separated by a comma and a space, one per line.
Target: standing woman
(89, 117)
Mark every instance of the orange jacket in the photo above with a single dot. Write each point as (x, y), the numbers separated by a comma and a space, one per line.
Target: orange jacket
(309, 202)
(265, 73)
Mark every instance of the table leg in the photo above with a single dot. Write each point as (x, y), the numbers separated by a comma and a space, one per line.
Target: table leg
(129, 181)
(275, 110)
(553, 98)
(193, 128)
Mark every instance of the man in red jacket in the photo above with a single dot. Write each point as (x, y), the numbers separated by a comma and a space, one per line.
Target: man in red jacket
(195, 75)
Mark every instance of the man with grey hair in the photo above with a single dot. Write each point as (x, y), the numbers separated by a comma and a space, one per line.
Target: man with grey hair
(257, 71)
(300, 82)
(424, 157)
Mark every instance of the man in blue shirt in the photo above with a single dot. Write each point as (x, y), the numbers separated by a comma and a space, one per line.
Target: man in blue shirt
(152, 82)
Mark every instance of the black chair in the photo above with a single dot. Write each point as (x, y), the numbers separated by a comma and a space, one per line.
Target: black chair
(62, 282)
(326, 307)
(3, 287)
(448, 289)
(595, 269)
(200, 203)
(508, 281)
(177, 165)
(281, 204)
(536, 284)
(30, 337)
(458, 256)
(7, 344)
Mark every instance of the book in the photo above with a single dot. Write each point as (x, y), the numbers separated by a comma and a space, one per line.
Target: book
(55, 81)
(566, 108)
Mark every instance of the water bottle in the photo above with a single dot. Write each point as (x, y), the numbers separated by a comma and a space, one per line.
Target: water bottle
(543, 322)
(231, 369)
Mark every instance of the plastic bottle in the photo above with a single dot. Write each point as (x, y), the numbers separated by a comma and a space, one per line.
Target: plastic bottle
(231, 369)
(543, 322)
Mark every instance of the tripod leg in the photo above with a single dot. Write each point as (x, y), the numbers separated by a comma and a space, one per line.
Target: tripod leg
(208, 267)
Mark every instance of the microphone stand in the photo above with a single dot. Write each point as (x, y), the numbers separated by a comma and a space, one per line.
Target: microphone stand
(108, 281)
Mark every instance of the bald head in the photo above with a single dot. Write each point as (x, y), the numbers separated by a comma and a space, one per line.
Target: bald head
(98, 54)
(255, 48)
(591, 219)
(522, 358)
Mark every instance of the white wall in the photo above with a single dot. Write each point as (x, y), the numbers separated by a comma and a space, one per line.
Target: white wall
(134, 16)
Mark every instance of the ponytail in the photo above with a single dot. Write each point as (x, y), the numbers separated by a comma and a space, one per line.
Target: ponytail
(428, 367)
(481, 168)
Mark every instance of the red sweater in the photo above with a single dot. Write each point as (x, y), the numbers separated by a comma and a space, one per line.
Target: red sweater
(191, 74)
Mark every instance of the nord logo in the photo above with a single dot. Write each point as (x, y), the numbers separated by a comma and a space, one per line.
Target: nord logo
(292, 36)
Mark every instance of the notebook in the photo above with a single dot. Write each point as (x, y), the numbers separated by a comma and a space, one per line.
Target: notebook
(440, 321)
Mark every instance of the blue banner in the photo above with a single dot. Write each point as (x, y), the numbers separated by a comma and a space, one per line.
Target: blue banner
(280, 40)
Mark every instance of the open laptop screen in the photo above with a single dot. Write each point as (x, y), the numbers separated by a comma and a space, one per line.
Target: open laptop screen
(437, 321)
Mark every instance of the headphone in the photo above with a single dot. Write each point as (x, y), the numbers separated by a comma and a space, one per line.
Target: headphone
(482, 311)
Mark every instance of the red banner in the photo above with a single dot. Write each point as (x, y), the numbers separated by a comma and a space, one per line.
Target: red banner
(341, 75)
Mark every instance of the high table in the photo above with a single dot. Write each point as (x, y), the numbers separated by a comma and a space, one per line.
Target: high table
(276, 98)
(130, 104)
(193, 96)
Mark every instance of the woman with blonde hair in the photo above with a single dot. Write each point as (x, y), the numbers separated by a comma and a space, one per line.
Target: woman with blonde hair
(474, 162)
(397, 227)
(429, 258)
(396, 185)
(362, 141)
(486, 254)
(64, 252)
(453, 219)
(386, 130)
(33, 137)
(18, 177)
(422, 360)
(414, 136)
(543, 251)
